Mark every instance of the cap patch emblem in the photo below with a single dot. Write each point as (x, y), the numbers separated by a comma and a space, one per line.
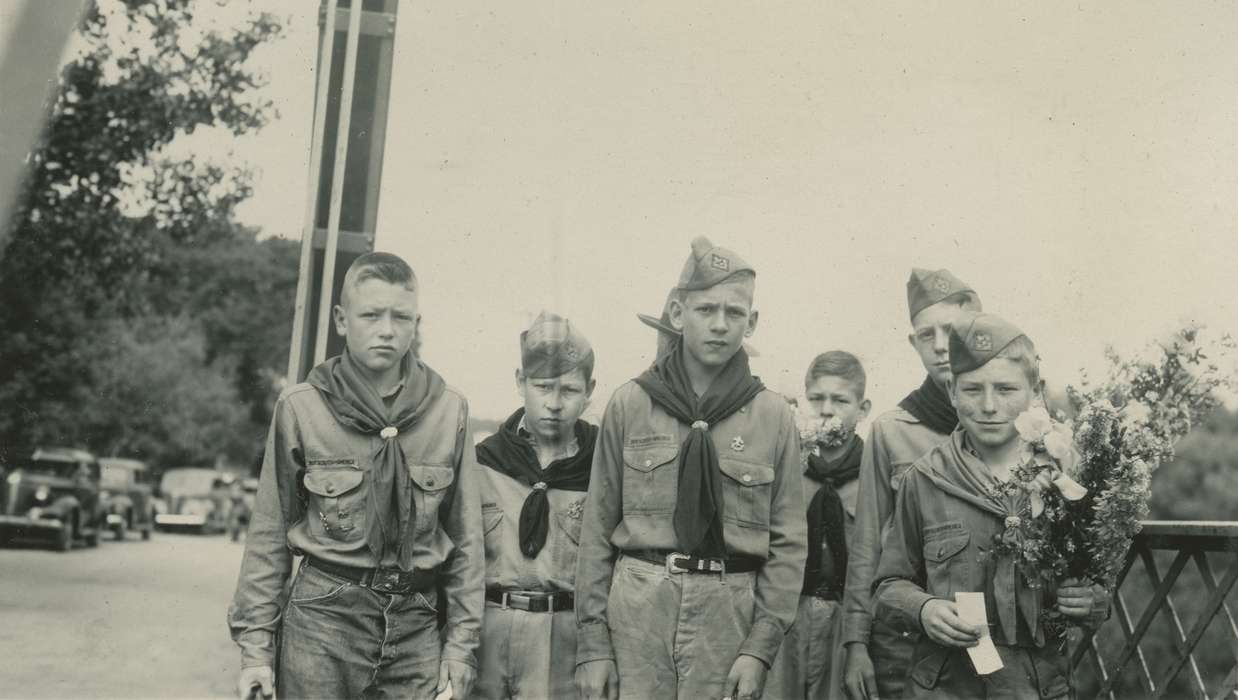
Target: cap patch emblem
(737, 443)
(570, 353)
(982, 342)
(719, 262)
(941, 285)
(576, 508)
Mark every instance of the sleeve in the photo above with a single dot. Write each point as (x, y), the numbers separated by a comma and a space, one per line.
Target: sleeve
(900, 576)
(595, 561)
(463, 574)
(780, 580)
(873, 506)
(254, 615)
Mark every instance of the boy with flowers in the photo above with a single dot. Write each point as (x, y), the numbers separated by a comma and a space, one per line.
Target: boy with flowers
(808, 665)
(950, 532)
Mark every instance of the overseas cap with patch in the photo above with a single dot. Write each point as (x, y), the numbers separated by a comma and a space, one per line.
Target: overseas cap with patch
(708, 265)
(927, 287)
(552, 347)
(973, 344)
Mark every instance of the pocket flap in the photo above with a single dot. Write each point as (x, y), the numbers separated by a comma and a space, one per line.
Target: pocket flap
(943, 549)
(927, 671)
(747, 474)
(647, 459)
(430, 478)
(332, 482)
(490, 518)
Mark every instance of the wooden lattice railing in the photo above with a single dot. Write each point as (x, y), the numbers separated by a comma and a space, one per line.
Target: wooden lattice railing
(1169, 636)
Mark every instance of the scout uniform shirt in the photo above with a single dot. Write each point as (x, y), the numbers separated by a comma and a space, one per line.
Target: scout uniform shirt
(312, 500)
(632, 498)
(939, 544)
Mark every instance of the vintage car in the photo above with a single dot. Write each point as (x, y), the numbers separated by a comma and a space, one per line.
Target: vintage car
(52, 494)
(196, 499)
(126, 492)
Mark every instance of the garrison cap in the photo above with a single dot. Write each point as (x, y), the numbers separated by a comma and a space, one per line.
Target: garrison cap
(708, 265)
(927, 287)
(552, 347)
(973, 344)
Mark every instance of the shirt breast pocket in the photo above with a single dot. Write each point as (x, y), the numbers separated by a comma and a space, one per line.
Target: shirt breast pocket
(430, 484)
(946, 563)
(649, 479)
(337, 505)
(746, 488)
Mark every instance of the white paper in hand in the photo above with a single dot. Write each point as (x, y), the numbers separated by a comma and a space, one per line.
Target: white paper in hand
(446, 694)
(984, 655)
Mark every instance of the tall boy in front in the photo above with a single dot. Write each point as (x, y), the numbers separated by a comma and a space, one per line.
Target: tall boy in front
(809, 665)
(949, 512)
(692, 549)
(533, 494)
(369, 473)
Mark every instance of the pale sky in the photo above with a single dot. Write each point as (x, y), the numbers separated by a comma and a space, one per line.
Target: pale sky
(1075, 162)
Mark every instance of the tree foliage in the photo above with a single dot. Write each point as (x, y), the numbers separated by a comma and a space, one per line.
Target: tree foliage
(140, 317)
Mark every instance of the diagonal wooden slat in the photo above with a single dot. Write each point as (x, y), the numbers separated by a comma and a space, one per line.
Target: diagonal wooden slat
(1210, 582)
(1205, 618)
(1229, 689)
(1172, 618)
(1088, 640)
(1145, 620)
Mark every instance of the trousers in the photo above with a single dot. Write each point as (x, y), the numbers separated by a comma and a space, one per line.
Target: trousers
(342, 640)
(809, 664)
(676, 635)
(526, 654)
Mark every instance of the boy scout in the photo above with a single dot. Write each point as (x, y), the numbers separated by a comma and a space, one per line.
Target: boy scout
(947, 516)
(805, 667)
(532, 498)
(370, 474)
(935, 301)
(693, 543)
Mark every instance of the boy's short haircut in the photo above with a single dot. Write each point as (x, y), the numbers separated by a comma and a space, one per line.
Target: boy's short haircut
(838, 363)
(1022, 351)
(381, 266)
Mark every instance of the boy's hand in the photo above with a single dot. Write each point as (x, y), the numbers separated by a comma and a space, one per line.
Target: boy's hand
(746, 679)
(461, 676)
(597, 679)
(859, 678)
(256, 681)
(1075, 598)
(941, 622)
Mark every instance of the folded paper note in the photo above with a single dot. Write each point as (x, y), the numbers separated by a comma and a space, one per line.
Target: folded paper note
(984, 655)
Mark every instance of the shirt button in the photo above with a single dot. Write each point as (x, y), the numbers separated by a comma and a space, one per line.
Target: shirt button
(747, 478)
(941, 551)
(430, 482)
(330, 489)
(649, 463)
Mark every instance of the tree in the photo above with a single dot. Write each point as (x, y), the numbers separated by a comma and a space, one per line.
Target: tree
(114, 240)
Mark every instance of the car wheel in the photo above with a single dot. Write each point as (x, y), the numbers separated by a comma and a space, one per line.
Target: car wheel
(64, 539)
(92, 539)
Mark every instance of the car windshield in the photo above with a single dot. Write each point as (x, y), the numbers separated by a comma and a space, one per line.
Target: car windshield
(188, 481)
(114, 477)
(50, 467)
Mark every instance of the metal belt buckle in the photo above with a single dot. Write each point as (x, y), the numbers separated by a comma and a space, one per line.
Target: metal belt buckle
(386, 580)
(672, 567)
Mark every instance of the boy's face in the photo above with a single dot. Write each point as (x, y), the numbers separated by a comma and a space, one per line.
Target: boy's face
(552, 406)
(831, 397)
(990, 398)
(715, 321)
(379, 322)
(930, 336)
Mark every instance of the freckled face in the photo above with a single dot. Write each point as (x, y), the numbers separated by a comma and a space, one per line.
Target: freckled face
(990, 398)
(714, 321)
(379, 322)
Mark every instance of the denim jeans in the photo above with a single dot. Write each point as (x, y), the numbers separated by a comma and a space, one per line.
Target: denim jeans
(341, 640)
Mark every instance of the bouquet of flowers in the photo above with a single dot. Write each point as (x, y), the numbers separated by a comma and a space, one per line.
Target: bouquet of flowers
(816, 432)
(1101, 464)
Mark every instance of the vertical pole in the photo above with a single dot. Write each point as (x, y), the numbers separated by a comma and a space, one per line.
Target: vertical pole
(326, 51)
(337, 180)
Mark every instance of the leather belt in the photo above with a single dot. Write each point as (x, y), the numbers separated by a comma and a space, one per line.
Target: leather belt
(395, 581)
(531, 601)
(680, 563)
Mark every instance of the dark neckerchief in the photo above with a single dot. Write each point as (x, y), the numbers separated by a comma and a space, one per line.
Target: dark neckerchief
(698, 506)
(931, 406)
(827, 518)
(510, 454)
(356, 404)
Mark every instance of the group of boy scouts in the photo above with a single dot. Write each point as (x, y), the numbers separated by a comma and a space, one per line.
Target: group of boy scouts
(683, 549)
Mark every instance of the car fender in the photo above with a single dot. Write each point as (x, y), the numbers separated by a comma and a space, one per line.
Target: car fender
(63, 507)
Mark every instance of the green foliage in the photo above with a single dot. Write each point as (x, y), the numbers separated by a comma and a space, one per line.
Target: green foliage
(140, 318)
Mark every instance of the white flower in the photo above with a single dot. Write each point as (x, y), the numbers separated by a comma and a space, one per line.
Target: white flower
(1058, 444)
(1136, 413)
(1033, 424)
(1070, 489)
